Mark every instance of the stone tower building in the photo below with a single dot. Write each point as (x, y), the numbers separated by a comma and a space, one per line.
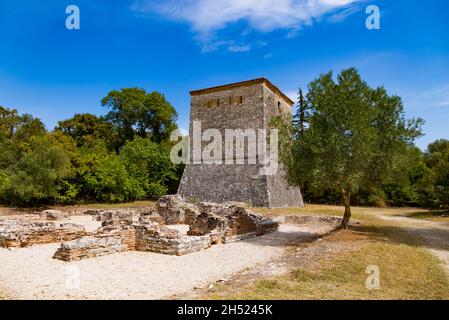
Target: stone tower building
(243, 105)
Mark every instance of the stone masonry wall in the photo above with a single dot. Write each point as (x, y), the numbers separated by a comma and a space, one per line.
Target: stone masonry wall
(23, 234)
(175, 245)
(237, 182)
(222, 183)
(209, 223)
(280, 193)
(90, 247)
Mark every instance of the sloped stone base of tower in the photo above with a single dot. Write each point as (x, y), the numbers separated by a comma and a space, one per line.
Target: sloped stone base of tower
(241, 183)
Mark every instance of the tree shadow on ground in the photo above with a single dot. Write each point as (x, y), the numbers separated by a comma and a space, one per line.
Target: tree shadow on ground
(427, 214)
(282, 238)
(429, 238)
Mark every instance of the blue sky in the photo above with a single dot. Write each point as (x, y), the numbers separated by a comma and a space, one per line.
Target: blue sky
(177, 46)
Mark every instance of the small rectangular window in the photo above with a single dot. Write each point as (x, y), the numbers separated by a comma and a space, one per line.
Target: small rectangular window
(240, 100)
(213, 103)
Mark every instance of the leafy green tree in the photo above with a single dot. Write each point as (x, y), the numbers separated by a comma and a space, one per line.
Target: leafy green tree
(86, 128)
(83, 162)
(4, 181)
(9, 122)
(109, 181)
(354, 134)
(35, 177)
(436, 184)
(75, 162)
(19, 127)
(134, 112)
(401, 186)
(149, 165)
(302, 114)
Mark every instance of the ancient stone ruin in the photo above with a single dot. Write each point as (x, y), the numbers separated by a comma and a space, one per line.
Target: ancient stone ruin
(149, 230)
(248, 106)
(16, 233)
(53, 215)
(209, 223)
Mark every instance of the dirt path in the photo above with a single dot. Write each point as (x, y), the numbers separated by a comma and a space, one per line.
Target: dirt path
(435, 234)
(31, 273)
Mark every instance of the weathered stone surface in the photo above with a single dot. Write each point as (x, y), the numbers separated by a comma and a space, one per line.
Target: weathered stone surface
(172, 209)
(209, 223)
(157, 231)
(312, 219)
(104, 241)
(167, 241)
(191, 214)
(53, 215)
(114, 215)
(151, 216)
(229, 222)
(90, 247)
(22, 234)
(247, 105)
(92, 212)
(117, 219)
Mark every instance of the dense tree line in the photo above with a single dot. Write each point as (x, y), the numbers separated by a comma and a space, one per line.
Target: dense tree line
(351, 144)
(122, 156)
(423, 182)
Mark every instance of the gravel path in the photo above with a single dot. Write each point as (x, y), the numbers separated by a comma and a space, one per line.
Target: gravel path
(31, 273)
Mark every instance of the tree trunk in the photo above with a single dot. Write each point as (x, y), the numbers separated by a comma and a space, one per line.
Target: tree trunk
(346, 197)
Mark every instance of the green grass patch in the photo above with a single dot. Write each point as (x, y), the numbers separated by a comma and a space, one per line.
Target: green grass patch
(407, 269)
(135, 204)
(406, 272)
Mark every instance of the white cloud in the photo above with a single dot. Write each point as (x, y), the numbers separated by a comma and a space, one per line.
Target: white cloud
(443, 103)
(435, 97)
(208, 16)
(292, 94)
(184, 132)
(241, 48)
(343, 14)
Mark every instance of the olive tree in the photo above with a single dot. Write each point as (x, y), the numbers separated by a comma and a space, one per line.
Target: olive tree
(353, 136)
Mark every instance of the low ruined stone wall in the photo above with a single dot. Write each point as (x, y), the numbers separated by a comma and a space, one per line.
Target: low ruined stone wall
(90, 247)
(128, 237)
(18, 234)
(229, 222)
(209, 223)
(104, 241)
(172, 243)
(172, 209)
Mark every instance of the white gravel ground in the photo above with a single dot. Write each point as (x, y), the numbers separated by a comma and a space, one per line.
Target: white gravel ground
(31, 273)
